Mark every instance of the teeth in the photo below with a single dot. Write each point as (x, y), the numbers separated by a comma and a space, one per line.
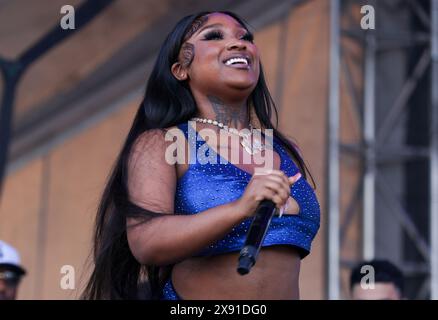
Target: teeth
(236, 60)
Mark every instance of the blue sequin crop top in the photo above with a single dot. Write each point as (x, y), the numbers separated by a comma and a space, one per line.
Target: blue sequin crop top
(204, 186)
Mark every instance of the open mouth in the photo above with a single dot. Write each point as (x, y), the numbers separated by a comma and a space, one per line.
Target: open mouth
(242, 62)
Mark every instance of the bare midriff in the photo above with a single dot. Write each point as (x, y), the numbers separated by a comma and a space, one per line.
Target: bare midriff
(274, 276)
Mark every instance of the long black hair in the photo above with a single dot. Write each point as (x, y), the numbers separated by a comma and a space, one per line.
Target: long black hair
(166, 103)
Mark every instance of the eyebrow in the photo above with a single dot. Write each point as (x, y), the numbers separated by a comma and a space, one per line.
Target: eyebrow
(209, 27)
(215, 25)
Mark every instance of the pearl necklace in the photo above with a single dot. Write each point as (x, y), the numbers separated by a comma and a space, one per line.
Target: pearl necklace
(252, 148)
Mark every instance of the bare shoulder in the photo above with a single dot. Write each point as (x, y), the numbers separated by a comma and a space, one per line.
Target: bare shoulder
(151, 175)
(149, 144)
(163, 145)
(155, 139)
(297, 155)
(294, 146)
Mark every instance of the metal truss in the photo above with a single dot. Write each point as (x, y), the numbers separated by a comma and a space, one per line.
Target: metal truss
(372, 149)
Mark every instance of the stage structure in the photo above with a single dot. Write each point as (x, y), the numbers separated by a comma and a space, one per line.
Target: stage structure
(382, 177)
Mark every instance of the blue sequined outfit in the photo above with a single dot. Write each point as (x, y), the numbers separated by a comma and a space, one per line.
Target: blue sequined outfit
(204, 186)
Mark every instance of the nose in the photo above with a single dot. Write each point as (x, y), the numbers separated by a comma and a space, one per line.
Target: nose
(236, 44)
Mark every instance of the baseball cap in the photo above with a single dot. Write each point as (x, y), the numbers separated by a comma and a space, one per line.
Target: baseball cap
(10, 259)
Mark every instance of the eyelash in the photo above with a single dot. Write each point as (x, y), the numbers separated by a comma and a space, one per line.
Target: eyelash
(248, 37)
(215, 35)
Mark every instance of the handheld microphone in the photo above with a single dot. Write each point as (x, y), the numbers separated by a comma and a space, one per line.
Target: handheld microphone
(256, 233)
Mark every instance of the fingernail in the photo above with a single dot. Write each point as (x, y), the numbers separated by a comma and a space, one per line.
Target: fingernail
(281, 212)
(295, 178)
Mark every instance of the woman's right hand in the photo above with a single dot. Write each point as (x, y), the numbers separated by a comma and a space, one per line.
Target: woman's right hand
(271, 185)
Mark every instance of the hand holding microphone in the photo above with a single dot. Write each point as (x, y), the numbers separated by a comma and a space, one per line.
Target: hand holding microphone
(271, 185)
(266, 193)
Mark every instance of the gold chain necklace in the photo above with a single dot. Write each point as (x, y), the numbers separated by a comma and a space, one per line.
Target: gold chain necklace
(252, 147)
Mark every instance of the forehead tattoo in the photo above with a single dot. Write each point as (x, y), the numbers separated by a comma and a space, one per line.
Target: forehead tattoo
(196, 25)
(187, 54)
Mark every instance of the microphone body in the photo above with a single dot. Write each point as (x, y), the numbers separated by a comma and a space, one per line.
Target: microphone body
(256, 233)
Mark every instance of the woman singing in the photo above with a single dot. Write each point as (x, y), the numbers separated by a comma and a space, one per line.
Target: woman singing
(179, 225)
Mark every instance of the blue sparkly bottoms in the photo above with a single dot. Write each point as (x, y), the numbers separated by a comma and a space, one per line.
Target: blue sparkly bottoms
(207, 185)
(169, 292)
